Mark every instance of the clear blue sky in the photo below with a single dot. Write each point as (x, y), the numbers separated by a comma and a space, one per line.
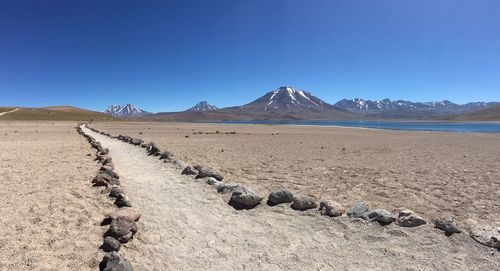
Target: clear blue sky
(167, 55)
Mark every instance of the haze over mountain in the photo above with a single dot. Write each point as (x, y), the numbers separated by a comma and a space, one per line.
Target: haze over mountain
(203, 106)
(125, 111)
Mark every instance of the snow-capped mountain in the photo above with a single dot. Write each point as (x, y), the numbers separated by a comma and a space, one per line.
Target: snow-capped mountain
(287, 99)
(203, 106)
(399, 106)
(125, 111)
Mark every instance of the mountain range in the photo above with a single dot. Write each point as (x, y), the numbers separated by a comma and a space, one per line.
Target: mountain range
(125, 111)
(287, 103)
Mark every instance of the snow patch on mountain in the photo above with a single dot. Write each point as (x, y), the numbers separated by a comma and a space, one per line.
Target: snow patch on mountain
(203, 106)
(125, 111)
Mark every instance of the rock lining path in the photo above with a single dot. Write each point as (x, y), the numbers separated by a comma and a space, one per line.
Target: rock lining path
(187, 225)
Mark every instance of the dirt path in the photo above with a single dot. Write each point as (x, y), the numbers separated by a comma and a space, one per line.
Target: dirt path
(186, 225)
(3, 113)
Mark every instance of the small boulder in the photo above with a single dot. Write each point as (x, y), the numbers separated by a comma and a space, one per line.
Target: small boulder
(189, 170)
(447, 224)
(245, 197)
(380, 215)
(100, 181)
(166, 155)
(280, 196)
(121, 227)
(303, 203)
(208, 172)
(211, 181)
(331, 208)
(113, 261)
(127, 213)
(486, 235)
(407, 218)
(115, 191)
(227, 187)
(136, 141)
(123, 201)
(357, 210)
(153, 149)
(109, 172)
(111, 244)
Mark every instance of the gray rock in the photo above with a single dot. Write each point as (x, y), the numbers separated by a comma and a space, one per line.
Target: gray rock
(303, 203)
(122, 227)
(245, 197)
(109, 172)
(447, 224)
(357, 210)
(111, 244)
(486, 235)
(115, 191)
(227, 187)
(123, 201)
(189, 170)
(127, 237)
(136, 141)
(113, 261)
(331, 208)
(380, 215)
(167, 155)
(280, 196)
(211, 181)
(408, 218)
(208, 172)
(153, 149)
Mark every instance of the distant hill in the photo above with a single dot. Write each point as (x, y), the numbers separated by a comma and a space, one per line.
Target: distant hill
(56, 113)
(203, 106)
(125, 111)
(491, 113)
(387, 108)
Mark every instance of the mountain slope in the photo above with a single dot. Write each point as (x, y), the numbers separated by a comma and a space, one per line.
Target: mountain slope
(203, 106)
(125, 111)
(287, 99)
(57, 113)
(491, 113)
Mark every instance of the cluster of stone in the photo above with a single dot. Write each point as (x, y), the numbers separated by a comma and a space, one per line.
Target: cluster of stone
(122, 223)
(241, 197)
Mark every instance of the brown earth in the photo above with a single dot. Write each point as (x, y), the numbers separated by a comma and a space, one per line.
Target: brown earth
(56, 113)
(432, 173)
(50, 215)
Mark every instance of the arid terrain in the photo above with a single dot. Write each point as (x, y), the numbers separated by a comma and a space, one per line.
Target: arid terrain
(428, 172)
(50, 215)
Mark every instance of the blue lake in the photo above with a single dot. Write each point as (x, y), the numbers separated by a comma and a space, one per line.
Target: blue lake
(477, 127)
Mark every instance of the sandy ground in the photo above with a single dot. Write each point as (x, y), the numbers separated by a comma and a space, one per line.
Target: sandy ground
(50, 216)
(186, 225)
(429, 172)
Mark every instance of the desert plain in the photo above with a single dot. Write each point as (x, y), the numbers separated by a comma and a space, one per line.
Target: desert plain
(431, 173)
(52, 216)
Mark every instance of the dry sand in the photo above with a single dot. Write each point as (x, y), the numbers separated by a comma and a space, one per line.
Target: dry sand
(429, 172)
(186, 225)
(50, 216)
